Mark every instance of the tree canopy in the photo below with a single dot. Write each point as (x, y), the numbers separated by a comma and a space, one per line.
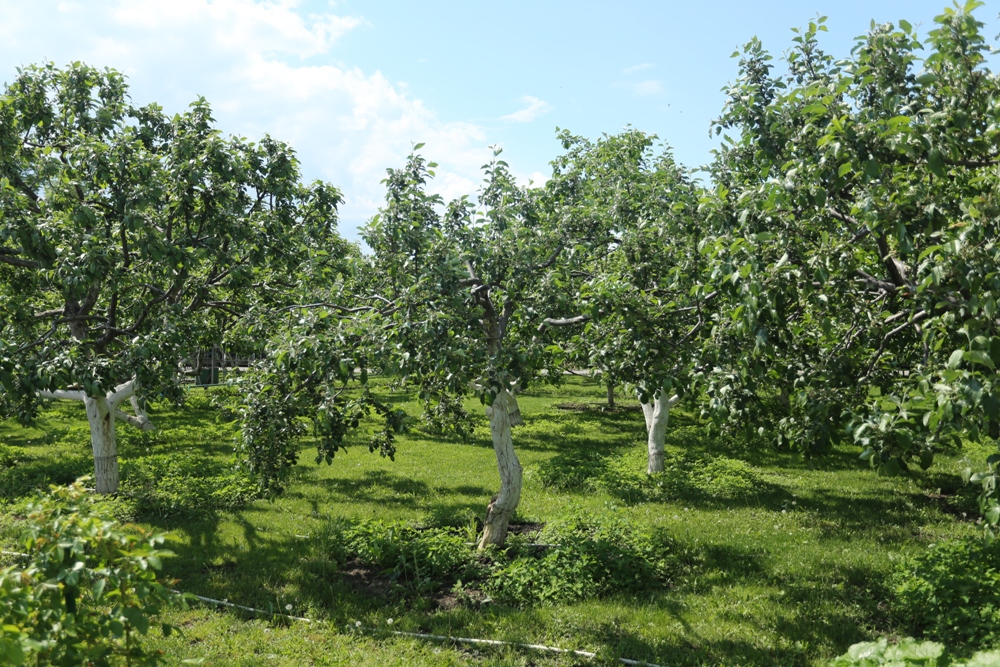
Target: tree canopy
(855, 235)
(130, 240)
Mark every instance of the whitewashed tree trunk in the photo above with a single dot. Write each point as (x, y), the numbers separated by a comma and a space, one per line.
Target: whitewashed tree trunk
(503, 504)
(657, 415)
(102, 412)
(100, 417)
(514, 410)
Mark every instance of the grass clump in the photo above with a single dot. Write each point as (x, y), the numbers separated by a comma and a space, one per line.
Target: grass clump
(951, 593)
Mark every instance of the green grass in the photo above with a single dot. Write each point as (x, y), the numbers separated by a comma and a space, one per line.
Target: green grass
(790, 570)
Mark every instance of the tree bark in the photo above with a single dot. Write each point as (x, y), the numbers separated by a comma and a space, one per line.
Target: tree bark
(503, 504)
(102, 412)
(611, 394)
(101, 418)
(657, 415)
(514, 410)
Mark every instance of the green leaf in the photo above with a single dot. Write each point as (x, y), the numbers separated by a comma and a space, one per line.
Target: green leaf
(892, 467)
(137, 619)
(979, 357)
(992, 513)
(98, 589)
(936, 162)
(956, 359)
(845, 169)
(926, 459)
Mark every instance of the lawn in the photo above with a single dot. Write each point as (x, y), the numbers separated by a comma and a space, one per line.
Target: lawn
(775, 560)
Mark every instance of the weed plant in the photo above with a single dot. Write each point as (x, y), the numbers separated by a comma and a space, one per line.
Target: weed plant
(951, 593)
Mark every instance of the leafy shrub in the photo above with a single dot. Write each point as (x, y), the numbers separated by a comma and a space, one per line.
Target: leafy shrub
(184, 482)
(577, 558)
(909, 653)
(88, 590)
(584, 558)
(426, 556)
(951, 592)
(11, 456)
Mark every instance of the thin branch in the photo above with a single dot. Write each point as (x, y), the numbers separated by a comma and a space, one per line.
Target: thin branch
(551, 260)
(883, 285)
(343, 309)
(881, 348)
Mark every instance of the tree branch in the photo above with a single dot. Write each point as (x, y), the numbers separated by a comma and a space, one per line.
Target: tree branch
(551, 260)
(343, 309)
(122, 392)
(881, 348)
(883, 285)
(17, 261)
(72, 395)
(566, 322)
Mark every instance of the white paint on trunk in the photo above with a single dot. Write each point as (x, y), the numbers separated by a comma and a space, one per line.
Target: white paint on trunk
(657, 415)
(102, 412)
(503, 504)
(514, 410)
(100, 417)
(141, 415)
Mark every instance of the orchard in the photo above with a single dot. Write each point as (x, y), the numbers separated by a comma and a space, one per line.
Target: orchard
(641, 412)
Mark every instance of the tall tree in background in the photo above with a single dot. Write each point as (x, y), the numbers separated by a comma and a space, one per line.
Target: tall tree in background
(129, 240)
(647, 306)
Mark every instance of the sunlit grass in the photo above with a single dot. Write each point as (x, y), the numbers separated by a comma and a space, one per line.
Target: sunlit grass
(789, 574)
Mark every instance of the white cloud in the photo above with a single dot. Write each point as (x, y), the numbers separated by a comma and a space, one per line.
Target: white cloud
(533, 108)
(637, 68)
(641, 88)
(256, 63)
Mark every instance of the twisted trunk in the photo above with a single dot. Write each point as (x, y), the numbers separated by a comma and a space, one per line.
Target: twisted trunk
(657, 415)
(503, 504)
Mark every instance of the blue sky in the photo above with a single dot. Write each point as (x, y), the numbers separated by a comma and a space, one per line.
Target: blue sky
(353, 84)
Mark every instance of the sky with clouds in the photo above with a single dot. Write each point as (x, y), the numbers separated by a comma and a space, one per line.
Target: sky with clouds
(353, 85)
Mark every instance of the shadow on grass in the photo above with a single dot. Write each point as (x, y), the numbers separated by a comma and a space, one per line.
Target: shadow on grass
(26, 477)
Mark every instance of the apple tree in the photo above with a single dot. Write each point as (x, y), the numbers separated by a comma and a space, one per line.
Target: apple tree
(854, 227)
(130, 239)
